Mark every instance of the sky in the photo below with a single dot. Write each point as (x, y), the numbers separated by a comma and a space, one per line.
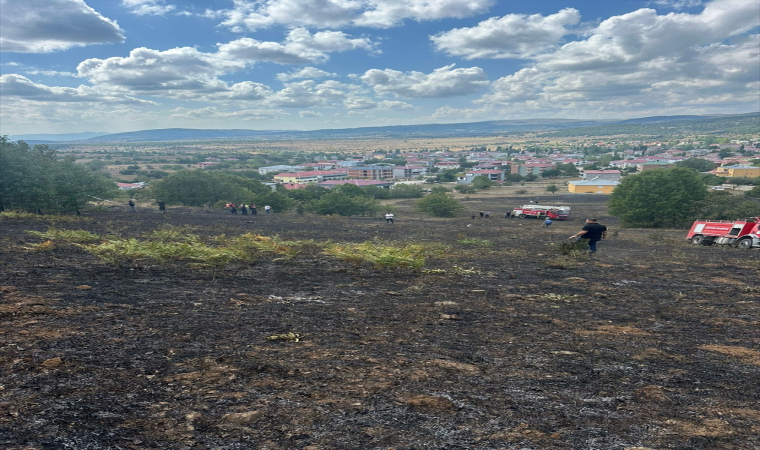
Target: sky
(69, 66)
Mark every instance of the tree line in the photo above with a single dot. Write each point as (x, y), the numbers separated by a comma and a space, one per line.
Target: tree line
(36, 179)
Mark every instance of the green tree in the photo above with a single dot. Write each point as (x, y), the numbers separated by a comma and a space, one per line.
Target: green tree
(754, 192)
(310, 192)
(658, 198)
(278, 200)
(198, 187)
(343, 205)
(722, 205)
(406, 191)
(439, 205)
(698, 164)
(551, 173)
(552, 188)
(376, 192)
(34, 178)
(447, 176)
(482, 182)
(465, 188)
(350, 190)
(567, 169)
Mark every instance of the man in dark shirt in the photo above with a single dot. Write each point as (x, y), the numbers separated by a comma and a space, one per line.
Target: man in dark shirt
(593, 231)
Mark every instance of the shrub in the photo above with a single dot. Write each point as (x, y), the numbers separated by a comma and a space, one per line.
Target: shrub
(439, 205)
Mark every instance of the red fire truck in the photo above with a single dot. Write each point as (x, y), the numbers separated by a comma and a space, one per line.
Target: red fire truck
(744, 234)
(542, 212)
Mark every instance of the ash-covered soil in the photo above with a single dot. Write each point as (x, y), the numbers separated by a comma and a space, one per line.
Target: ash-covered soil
(502, 343)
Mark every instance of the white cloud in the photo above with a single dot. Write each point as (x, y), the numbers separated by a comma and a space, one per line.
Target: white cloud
(677, 4)
(252, 15)
(308, 93)
(511, 36)
(213, 113)
(39, 26)
(632, 61)
(360, 103)
(300, 47)
(305, 73)
(443, 82)
(50, 73)
(309, 114)
(248, 90)
(395, 105)
(18, 86)
(174, 72)
(148, 7)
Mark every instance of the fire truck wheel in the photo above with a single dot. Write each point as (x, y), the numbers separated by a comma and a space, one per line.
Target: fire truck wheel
(698, 240)
(744, 244)
(522, 216)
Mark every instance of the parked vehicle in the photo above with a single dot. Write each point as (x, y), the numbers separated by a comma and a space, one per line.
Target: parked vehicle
(743, 233)
(542, 212)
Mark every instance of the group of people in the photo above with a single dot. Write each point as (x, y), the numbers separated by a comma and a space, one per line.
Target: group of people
(244, 209)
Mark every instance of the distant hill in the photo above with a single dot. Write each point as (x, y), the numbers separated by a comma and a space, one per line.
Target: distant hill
(46, 138)
(397, 131)
(670, 126)
(645, 126)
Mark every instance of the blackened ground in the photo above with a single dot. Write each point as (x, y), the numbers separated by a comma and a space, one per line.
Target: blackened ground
(651, 343)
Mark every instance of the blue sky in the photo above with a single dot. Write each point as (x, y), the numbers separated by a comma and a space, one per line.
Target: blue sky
(124, 65)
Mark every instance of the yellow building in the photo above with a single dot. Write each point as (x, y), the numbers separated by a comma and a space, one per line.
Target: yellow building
(591, 186)
(738, 170)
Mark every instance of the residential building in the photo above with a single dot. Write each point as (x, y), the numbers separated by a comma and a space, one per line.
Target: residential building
(611, 175)
(531, 168)
(654, 165)
(128, 186)
(279, 168)
(313, 176)
(409, 171)
(493, 175)
(738, 170)
(360, 183)
(370, 172)
(446, 165)
(591, 186)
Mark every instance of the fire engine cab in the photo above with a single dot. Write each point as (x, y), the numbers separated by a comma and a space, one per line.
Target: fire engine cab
(542, 212)
(744, 234)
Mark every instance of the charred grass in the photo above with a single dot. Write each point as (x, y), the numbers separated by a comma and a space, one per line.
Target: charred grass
(498, 341)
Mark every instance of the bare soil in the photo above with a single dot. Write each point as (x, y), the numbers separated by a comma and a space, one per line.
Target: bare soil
(502, 343)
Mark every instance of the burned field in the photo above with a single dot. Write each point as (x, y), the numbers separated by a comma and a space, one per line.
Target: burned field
(497, 342)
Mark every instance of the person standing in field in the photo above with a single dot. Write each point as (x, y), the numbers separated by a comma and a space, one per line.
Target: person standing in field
(389, 217)
(548, 222)
(131, 204)
(593, 231)
(253, 209)
(268, 209)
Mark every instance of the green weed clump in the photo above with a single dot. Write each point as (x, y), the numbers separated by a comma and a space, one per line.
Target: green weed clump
(170, 233)
(18, 215)
(475, 242)
(67, 236)
(380, 256)
(53, 219)
(573, 248)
